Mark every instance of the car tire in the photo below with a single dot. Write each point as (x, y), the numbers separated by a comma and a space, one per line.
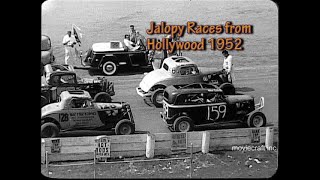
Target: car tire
(257, 119)
(109, 68)
(44, 101)
(102, 97)
(157, 97)
(124, 127)
(228, 88)
(49, 130)
(183, 124)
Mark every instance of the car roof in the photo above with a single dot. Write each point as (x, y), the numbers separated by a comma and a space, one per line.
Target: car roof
(174, 61)
(108, 46)
(74, 93)
(172, 89)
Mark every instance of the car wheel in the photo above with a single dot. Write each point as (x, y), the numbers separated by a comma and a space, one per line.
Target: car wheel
(124, 127)
(109, 68)
(102, 97)
(49, 130)
(228, 89)
(183, 124)
(257, 119)
(44, 101)
(157, 97)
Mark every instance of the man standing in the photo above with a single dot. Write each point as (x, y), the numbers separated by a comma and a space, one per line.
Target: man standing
(68, 42)
(227, 66)
(133, 34)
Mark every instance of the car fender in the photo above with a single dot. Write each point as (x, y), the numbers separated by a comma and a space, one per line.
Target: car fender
(107, 57)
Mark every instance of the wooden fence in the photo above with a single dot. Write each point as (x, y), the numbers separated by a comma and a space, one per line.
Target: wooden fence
(150, 145)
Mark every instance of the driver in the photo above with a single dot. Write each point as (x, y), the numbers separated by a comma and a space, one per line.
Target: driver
(131, 46)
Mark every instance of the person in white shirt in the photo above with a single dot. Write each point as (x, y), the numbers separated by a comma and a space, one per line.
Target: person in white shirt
(132, 34)
(68, 42)
(131, 46)
(227, 65)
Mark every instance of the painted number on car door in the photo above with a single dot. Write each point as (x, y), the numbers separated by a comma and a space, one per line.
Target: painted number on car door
(63, 117)
(217, 112)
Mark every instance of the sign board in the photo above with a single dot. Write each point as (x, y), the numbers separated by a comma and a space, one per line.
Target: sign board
(255, 136)
(55, 146)
(102, 147)
(179, 141)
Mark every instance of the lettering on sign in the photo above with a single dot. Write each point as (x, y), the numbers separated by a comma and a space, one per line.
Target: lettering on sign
(102, 147)
(179, 141)
(255, 136)
(56, 146)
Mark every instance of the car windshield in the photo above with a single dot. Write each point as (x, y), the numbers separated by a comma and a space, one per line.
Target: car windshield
(45, 44)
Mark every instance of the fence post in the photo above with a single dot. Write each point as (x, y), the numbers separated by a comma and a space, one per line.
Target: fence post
(205, 142)
(191, 159)
(43, 151)
(150, 145)
(269, 137)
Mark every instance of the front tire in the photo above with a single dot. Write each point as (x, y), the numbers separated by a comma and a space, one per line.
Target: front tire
(257, 119)
(183, 124)
(102, 97)
(157, 97)
(49, 130)
(124, 127)
(109, 68)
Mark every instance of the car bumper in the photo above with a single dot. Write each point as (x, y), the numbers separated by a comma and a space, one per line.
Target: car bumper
(142, 93)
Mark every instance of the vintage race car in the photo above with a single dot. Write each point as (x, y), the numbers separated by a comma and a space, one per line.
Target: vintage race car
(178, 70)
(76, 110)
(57, 81)
(109, 56)
(186, 108)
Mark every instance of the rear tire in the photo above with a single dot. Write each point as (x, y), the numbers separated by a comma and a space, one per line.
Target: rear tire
(183, 124)
(102, 97)
(124, 127)
(157, 97)
(228, 89)
(109, 68)
(49, 130)
(257, 119)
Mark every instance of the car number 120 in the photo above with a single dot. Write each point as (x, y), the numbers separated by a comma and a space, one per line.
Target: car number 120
(217, 112)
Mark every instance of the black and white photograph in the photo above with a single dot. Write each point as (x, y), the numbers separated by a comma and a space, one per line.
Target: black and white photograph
(159, 89)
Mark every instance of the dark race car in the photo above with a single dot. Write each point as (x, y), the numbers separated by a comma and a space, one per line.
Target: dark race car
(185, 108)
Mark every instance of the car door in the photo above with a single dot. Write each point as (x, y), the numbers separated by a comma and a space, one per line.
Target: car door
(216, 107)
(83, 114)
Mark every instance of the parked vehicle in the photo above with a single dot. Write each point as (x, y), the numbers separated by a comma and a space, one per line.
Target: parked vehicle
(109, 56)
(178, 70)
(76, 110)
(47, 56)
(186, 108)
(57, 81)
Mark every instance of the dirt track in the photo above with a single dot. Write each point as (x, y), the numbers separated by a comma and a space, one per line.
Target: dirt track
(257, 81)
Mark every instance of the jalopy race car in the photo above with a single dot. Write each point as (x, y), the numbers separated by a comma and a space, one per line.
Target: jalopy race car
(184, 108)
(76, 110)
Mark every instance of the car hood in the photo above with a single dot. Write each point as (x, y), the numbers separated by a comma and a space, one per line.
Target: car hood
(231, 99)
(88, 80)
(50, 108)
(152, 78)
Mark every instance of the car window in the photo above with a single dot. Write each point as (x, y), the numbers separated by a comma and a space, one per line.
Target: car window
(188, 70)
(189, 99)
(214, 97)
(76, 103)
(165, 66)
(67, 79)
